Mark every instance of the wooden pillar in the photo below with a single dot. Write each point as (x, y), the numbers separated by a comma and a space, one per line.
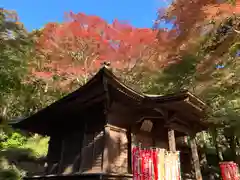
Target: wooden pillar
(171, 140)
(129, 146)
(105, 161)
(60, 168)
(195, 157)
(84, 141)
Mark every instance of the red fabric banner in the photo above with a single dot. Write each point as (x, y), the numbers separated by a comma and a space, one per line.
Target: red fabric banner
(144, 163)
(154, 164)
(229, 171)
(136, 163)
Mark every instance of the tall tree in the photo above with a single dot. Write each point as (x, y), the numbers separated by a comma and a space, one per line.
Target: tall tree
(192, 20)
(78, 47)
(14, 50)
(18, 95)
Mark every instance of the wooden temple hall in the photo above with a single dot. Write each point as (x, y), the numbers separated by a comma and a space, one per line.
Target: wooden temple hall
(92, 130)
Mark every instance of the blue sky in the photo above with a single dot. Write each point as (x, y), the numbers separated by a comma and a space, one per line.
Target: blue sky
(36, 13)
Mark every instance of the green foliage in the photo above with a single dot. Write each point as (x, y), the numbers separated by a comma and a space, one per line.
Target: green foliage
(38, 145)
(234, 49)
(174, 78)
(19, 95)
(9, 172)
(216, 37)
(15, 49)
(233, 2)
(13, 140)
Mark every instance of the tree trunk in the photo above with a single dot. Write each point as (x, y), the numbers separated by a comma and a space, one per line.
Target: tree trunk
(203, 151)
(195, 158)
(214, 133)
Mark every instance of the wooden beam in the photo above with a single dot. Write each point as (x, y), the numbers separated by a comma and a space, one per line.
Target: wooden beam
(171, 140)
(178, 128)
(195, 157)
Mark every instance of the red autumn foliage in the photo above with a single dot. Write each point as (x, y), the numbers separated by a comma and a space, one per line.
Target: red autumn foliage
(80, 45)
(189, 17)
